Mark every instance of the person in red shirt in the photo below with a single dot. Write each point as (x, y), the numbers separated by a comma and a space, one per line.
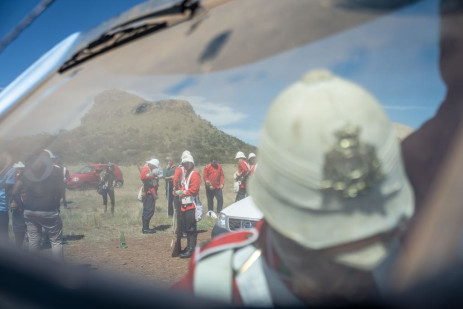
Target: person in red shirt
(178, 180)
(188, 195)
(150, 194)
(241, 176)
(252, 163)
(213, 179)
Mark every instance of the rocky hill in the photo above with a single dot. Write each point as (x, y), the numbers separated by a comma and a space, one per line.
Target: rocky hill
(124, 128)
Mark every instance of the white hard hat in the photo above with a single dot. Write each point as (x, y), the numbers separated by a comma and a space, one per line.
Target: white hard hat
(154, 162)
(346, 180)
(188, 158)
(185, 153)
(240, 155)
(251, 155)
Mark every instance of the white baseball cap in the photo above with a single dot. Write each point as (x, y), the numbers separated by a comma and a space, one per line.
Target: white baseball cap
(346, 182)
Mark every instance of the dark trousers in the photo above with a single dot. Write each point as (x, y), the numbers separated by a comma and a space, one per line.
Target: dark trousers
(112, 198)
(148, 207)
(217, 193)
(4, 220)
(170, 198)
(188, 221)
(19, 227)
(241, 194)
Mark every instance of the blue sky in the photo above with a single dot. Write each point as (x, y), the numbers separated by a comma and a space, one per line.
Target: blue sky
(62, 18)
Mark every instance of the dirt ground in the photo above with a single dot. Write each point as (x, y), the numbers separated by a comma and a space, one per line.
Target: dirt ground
(147, 257)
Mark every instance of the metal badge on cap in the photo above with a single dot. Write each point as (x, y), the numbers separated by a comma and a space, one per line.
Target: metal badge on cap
(351, 166)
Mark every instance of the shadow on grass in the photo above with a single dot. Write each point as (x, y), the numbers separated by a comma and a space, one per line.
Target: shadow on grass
(201, 231)
(72, 237)
(163, 227)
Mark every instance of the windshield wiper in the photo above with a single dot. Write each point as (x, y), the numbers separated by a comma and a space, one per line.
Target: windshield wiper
(129, 31)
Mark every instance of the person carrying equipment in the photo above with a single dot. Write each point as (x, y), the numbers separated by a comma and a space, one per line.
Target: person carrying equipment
(188, 194)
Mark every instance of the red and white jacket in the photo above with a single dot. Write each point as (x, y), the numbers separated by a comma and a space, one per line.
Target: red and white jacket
(190, 187)
(145, 175)
(243, 172)
(237, 268)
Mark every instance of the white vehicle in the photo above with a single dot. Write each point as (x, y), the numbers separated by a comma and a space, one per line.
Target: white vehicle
(240, 215)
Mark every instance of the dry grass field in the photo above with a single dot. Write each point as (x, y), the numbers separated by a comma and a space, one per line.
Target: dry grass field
(85, 216)
(92, 238)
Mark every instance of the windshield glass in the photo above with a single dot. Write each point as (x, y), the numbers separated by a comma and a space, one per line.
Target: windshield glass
(205, 83)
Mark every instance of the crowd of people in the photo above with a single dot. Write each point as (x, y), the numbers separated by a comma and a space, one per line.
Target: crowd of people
(182, 185)
(32, 192)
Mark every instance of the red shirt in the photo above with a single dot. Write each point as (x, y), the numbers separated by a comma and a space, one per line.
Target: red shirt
(144, 175)
(213, 175)
(242, 170)
(194, 183)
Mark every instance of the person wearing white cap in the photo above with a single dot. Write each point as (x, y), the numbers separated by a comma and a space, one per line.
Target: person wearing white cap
(338, 211)
(187, 194)
(241, 176)
(179, 179)
(252, 163)
(149, 179)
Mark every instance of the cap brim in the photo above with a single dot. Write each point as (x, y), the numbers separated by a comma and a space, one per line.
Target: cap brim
(365, 258)
(360, 218)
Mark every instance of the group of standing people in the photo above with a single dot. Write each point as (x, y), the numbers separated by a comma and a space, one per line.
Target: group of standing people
(182, 188)
(33, 193)
(178, 185)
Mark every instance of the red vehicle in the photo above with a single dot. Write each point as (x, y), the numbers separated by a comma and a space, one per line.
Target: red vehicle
(89, 176)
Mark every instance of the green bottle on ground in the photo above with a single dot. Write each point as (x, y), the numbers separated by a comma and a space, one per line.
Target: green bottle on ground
(122, 239)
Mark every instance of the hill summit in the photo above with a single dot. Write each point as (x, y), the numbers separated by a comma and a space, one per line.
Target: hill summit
(124, 128)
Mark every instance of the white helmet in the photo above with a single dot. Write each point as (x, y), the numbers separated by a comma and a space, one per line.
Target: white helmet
(346, 180)
(185, 153)
(154, 162)
(251, 155)
(188, 158)
(240, 155)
